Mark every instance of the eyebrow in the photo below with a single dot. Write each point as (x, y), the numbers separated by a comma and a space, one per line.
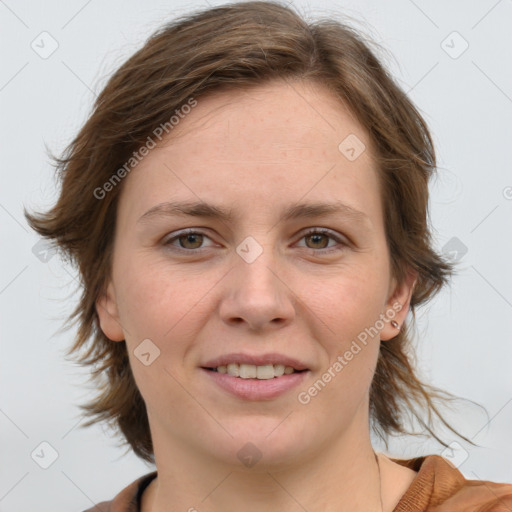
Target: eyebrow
(299, 211)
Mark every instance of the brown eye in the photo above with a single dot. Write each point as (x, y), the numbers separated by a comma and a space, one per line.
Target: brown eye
(187, 241)
(190, 240)
(316, 240)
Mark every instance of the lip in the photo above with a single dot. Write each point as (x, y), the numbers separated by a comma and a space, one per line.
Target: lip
(257, 360)
(256, 389)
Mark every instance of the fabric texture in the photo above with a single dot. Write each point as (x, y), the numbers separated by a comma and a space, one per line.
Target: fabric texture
(438, 487)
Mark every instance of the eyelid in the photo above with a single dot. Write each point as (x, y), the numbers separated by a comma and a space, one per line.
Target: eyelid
(343, 240)
(340, 239)
(183, 232)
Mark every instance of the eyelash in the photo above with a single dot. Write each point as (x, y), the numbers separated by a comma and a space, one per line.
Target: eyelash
(312, 231)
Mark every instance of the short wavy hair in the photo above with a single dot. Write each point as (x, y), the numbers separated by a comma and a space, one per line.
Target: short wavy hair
(237, 46)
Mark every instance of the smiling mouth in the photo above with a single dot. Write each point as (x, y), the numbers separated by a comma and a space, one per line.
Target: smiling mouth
(250, 371)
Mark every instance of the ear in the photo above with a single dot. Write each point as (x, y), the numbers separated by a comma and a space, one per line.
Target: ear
(106, 309)
(397, 306)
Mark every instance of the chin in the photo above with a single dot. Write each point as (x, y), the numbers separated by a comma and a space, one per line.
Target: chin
(259, 446)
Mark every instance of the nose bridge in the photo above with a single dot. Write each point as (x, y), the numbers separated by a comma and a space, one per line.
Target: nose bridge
(257, 293)
(256, 268)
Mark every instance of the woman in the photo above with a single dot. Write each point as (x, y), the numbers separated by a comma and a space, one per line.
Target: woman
(247, 206)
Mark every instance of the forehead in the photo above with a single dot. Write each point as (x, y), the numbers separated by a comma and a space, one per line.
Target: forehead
(266, 144)
(268, 118)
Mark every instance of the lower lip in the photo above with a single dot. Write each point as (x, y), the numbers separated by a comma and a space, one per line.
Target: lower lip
(257, 389)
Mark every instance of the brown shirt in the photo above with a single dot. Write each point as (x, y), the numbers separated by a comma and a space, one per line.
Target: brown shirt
(438, 487)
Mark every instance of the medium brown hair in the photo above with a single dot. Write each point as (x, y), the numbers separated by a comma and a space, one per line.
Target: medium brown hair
(238, 46)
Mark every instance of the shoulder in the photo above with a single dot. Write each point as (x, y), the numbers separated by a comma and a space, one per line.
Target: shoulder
(127, 500)
(440, 487)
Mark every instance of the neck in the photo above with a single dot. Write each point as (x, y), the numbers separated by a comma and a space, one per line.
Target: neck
(341, 477)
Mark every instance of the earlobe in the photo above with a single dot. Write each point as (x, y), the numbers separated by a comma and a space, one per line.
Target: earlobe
(398, 307)
(108, 315)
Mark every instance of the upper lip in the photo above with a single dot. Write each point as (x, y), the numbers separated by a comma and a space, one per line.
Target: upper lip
(257, 360)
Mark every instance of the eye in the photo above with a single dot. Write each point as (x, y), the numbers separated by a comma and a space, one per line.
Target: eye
(189, 240)
(319, 237)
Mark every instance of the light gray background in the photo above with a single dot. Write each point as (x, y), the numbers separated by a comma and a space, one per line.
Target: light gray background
(463, 337)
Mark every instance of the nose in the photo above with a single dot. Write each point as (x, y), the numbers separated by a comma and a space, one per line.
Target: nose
(258, 296)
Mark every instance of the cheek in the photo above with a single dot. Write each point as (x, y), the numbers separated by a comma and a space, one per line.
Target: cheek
(156, 305)
(148, 303)
(145, 305)
(158, 300)
(349, 303)
(347, 333)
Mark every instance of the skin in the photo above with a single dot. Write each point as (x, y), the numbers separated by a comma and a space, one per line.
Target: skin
(257, 151)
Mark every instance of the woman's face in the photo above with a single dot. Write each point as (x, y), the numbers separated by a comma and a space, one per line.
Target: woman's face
(277, 282)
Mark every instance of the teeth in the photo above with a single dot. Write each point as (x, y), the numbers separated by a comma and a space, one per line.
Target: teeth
(279, 370)
(233, 369)
(250, 371)
(265, 372)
